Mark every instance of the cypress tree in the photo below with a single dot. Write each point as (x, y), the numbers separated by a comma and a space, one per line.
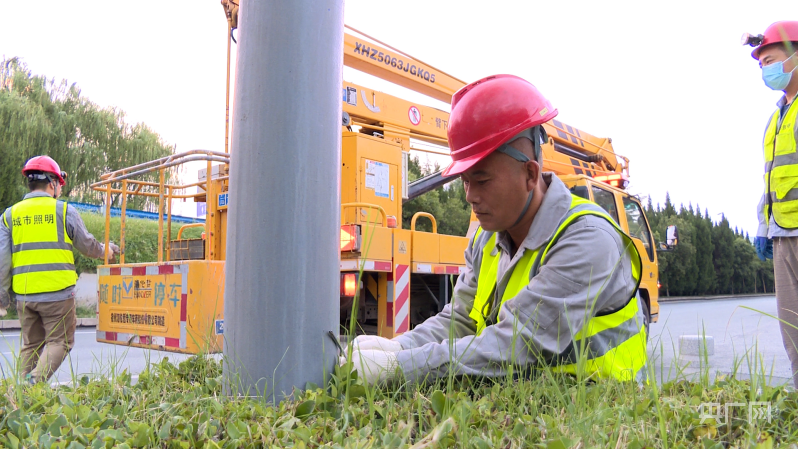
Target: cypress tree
(703, 254)
(669, 210)
(723, 256)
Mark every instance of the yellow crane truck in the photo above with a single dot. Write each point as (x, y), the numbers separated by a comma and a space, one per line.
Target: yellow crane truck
(399, 276)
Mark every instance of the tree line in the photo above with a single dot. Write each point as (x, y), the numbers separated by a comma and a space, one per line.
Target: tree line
(711, 258)
(42, 116)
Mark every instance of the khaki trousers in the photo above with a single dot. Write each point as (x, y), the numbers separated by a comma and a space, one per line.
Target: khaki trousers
(785, 265)
(48, 334)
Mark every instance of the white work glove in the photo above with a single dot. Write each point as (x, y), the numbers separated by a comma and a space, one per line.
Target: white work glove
(114, 251)
(376, 342)
(374, 366)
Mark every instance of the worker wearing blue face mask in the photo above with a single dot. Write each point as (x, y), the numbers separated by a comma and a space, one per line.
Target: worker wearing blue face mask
(777, 236)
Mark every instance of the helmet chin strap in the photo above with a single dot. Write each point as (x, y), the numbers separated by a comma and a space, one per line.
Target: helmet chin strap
(537, 135)
(54, 185)
(526, 208)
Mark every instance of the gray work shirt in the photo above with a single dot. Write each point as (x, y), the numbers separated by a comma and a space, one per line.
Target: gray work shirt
(581, 277)
(82, 240)
(771, 229)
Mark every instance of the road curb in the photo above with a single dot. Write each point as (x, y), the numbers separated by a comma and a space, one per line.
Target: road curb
(10, 325)
(709, 298)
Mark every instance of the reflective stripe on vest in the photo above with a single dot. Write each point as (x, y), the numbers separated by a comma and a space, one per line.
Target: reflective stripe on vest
(781, 169)
(41, 251)
(613, 344)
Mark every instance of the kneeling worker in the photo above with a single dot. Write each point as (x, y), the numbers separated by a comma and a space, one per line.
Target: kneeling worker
(36, 262)
(549, 276)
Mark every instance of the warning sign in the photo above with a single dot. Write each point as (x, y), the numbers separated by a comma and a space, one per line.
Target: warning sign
(402, 247)
(414, 115)
(378, 178)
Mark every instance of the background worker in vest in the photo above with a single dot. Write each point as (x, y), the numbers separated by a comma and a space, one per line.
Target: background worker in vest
(513, 307)
(36, 263)
(777, 236)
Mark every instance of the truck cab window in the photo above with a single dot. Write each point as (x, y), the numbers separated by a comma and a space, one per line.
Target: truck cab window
(638, 228)
(606, 200)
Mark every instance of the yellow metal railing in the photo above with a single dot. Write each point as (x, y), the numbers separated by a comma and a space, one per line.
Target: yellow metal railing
(427, 215)
(188, 226)
(120, 182)
(379, 209)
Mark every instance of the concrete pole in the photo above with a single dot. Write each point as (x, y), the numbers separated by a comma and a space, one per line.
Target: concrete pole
(282, 281)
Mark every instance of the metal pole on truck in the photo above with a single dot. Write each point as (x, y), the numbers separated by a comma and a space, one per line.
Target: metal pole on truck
(282, 280)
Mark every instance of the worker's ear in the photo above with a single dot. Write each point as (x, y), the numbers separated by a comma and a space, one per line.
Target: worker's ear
(533, 174)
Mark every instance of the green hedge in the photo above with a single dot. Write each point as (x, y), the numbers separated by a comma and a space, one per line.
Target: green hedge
(141, 239)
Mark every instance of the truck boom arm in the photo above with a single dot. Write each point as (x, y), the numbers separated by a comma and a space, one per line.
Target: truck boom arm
(426, 184)
(399, 68)
(571, 150)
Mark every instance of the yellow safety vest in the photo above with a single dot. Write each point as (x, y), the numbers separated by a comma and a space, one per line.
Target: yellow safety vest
(614, 344)
(41, 251)
(781, 170)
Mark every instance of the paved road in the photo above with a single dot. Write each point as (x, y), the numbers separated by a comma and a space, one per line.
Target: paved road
(88, 357)
(737, 332)
(734, 329)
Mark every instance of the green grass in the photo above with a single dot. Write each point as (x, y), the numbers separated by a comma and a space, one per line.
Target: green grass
(184, 406)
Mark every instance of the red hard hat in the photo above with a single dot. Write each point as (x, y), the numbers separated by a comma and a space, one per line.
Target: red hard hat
(44, 164)
(487, 113)
(785, 31)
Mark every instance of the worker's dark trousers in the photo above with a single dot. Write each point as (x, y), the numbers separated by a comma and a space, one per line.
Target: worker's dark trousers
(785, 264)
(48, 334)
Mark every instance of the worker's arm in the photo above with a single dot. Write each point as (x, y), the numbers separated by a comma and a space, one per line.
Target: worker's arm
(5, 264)
(582, 276)
(453, 321)
(82, 240)
(762, 229)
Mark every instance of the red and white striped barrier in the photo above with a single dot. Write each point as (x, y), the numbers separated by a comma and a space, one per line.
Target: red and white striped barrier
(402, 301)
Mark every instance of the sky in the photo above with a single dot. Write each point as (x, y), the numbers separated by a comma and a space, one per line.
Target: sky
(670, 84)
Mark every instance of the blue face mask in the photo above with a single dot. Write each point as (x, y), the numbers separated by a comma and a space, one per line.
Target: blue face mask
(774, 75)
